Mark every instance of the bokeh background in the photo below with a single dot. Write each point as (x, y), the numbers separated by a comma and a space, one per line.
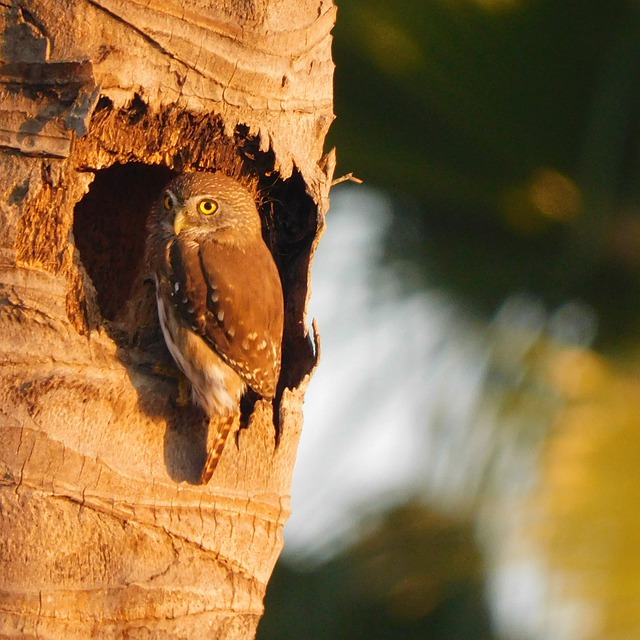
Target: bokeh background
(470, 463)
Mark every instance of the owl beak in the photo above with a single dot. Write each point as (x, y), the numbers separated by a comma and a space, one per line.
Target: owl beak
(179, 222)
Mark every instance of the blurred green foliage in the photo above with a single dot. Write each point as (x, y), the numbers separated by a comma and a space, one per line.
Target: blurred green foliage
(417, 575)
(509, 132)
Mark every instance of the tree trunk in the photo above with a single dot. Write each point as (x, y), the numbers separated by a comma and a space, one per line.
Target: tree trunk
(105, 529)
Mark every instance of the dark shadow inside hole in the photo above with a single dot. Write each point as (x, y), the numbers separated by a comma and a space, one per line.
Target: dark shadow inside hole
(109, 229)
(290, 229)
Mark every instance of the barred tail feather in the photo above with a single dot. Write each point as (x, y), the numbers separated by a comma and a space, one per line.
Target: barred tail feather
(222, 425)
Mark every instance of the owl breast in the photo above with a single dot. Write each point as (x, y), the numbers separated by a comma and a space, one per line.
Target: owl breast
(215, 386)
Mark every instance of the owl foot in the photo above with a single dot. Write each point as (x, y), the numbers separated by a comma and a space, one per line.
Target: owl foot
(183, 398)
(166, 371)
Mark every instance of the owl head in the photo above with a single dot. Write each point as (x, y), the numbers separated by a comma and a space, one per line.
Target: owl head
(195, 204)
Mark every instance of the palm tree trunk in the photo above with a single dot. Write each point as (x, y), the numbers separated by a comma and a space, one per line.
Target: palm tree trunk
(105, 530)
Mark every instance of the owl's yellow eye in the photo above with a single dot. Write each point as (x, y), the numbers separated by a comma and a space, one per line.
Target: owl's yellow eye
(207, 206)
(168, 202)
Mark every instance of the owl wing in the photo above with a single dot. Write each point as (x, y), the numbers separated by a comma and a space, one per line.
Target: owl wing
(233, 299)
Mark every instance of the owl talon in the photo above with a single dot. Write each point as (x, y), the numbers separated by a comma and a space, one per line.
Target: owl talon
(165, 371)
(184, 392)
(183, 398)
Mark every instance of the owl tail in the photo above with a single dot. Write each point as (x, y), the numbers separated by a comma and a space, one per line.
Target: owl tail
(221, 426)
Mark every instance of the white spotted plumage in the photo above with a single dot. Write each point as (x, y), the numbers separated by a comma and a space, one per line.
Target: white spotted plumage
(219, 390)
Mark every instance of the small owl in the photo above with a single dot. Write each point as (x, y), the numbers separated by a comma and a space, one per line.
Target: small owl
(219, 295)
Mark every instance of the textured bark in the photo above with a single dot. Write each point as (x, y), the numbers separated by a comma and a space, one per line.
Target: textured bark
(105, 531)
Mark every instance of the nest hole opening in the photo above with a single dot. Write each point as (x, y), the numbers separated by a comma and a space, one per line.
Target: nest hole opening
(109, 228)
(290, 222)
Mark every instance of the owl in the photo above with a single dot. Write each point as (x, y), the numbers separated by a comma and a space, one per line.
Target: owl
(219, 296)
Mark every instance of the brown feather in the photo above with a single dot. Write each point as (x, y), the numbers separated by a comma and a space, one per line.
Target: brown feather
(223, 426)
(239, 316)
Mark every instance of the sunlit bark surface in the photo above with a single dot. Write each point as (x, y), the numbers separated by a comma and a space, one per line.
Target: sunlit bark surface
(105, 531)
